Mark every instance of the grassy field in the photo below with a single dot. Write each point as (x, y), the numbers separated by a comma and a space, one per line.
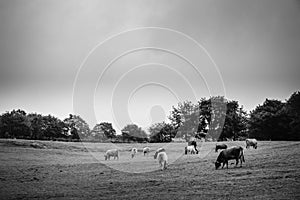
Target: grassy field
(61, 170)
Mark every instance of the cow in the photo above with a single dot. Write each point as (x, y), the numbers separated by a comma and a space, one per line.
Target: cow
(233, 153)
(190, 149)
(146, 150)
(133, 152)
(194, 143)
(251, 142)
(220, 146)
(158, 151)
(162, 159)
(111, 152)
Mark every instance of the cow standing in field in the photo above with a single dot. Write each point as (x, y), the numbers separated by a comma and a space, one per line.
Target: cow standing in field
(220, 146)
(251, 142)
(146, 150)
(233, 153)
(194, 143)
(189, 149)
(158, 151)
(162, 160)
(111, 152)
(133, 152)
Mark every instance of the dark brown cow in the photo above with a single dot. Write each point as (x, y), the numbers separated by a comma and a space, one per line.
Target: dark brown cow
(220, 146)
(233, 153)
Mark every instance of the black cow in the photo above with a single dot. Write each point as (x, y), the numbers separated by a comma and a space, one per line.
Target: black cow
(194, 143)
(233, 153)
(220, 146)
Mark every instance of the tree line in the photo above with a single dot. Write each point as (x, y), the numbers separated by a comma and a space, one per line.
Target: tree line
(214, 118)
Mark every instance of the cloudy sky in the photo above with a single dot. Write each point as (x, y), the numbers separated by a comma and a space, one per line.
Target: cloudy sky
(93, 58)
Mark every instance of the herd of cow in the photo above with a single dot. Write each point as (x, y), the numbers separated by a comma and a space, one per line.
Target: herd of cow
(232, 153)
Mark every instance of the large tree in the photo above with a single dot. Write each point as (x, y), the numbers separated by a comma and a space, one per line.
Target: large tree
(15, 124)
(185, 119)
(269, 121)
(77, 126)
(235, 122)
(205, 111)
(175, 118)
(161, 132)
(293, 111)
(212, 114)
(37, 126)
(53, 127)
(104, 131)
(133, 132)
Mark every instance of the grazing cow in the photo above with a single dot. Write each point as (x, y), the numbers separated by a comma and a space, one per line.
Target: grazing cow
(220, 146)
(190, 149)
(194, 143)
(162, 160)
(133, 152)
(146, 150)
(233, 153)
(251, 142)
(111, 152)
(158, 151)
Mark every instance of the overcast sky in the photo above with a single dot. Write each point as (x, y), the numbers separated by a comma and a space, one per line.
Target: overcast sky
(250, 52)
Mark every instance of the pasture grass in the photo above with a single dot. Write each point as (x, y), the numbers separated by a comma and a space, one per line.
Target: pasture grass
(71, 170)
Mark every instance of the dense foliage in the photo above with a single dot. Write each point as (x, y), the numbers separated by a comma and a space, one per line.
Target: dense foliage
(132, 132)
(276, 120)
(103, 131)
(162, 132)
(215, 118)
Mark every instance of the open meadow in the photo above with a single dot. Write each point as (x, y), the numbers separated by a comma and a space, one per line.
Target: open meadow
(67, 170)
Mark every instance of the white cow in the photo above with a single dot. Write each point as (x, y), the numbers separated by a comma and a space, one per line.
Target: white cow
(251, 142)
(162, 160)
(158, 151)
(191, 149)
(146, 150)
(133, 152)
(111, 152)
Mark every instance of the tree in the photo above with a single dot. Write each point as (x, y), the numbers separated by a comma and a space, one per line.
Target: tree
(269, 121)
(2, 133)
(212, 114)
(104, 131)
(37, 126)
(132, 132)
(175, 118)
(185, 119)
(293, 111)
(15, 124)
(18, 124)
(52, 127)
(205, 119)
(235, 122)
(205, 111)
(162, 132)
(77, 126)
